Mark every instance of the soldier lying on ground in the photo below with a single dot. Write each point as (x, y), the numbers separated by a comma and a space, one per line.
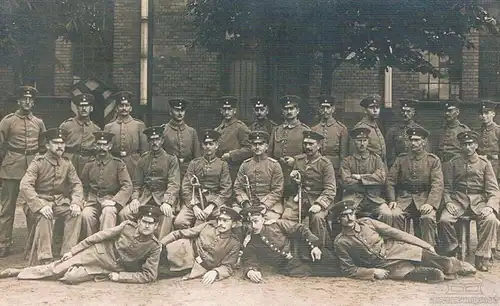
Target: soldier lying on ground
(370, 249)
(286, 245)
(210, 250)
(127, 253)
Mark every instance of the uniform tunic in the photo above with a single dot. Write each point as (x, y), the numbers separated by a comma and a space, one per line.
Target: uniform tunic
(336, 142)
(397, 141)
(376, 141)
(489, 145)
(448, 145)
(181, 141)
(265, 125)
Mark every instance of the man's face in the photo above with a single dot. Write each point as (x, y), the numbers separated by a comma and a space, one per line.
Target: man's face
(469, 148)
(257, 223)
(224, 223)
(290, 112)
(361, 144)
(124, 109)
(487, 116)
(261, 112)
(56, 147)
(26, 103)
(311, 146)
(84, 111)
(259, 147)
(210, 147)
(147, 226)
(407, 113)
(178, 114)
(348, 219)
(155, 143)
(103, 147)
(451, 114)
(228, 112)
(326, 111)
(417, 144)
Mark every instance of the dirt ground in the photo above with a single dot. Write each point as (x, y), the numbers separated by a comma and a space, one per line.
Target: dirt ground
(482, 289)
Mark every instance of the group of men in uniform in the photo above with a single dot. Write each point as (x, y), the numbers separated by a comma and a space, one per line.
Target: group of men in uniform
(206, 197)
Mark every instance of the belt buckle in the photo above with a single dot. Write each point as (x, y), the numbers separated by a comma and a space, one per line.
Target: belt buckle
(199, 260)
(181, 160)
(123, 153)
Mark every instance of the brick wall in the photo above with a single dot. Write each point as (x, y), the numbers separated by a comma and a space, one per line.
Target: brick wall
(63, 76)
(470, 70)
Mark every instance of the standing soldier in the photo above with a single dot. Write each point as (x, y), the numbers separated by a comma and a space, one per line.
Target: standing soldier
(21, 136)
(260, 179)
(261, 110)
(80, 132)
(470, 188)
(448, 145)
(396, 138)
(415, 187)
(315, 175)
(209, 174)
(156, 182)
(234, 147)
(106, 184)
(51, 189)
(181, 140)
(489, 135)
(129, 142)
(376, 142)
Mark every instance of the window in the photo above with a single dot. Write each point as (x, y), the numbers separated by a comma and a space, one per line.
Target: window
(441, 88)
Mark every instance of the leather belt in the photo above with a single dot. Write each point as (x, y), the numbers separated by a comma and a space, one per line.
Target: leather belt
(415, 189)
(122, 154)
(23, 151)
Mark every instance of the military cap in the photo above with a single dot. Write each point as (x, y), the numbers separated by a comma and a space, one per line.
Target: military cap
(154, 132)
(312, 135)
(256, 210)
(56, 134)
(101, 136)
(487, 105)
(27, 91)
(408, 103)
(123, 96)
(228, 101)
(325, 100)
(342, 207)
(468, 136)
(369, 100)
(417, 131)
(150, 212)
(360, 133)
(258, 136)
(178, 103)
(290, 100)
(231, 213)
(259, 102)
(210, 135)
(452, 103)
(83, 99)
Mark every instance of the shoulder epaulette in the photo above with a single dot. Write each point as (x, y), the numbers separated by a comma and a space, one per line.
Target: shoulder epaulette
(269, 222)
(144, 153)
(341, 124)
(9, 115)
(432, 155)
(339, 236)
(138, 120)
(39, 156)
(68, 120)
(484, 158)
(247, 160)
(305, 125)
(272, 122)
(453, 158)
(197, 158)
(91, 159)
(272, 159)
(300, 156)
(118, 159)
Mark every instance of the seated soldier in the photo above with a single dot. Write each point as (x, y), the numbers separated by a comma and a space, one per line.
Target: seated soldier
(209, 250)
(127, 253)
(363, 176)
(107, 186)
(369, 249)
(286, 245)
(51, 189)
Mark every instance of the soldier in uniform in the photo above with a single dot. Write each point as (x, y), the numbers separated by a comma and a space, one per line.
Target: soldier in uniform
(21, 136)
(489, 135)
(107, 186)
(470, 188)
(286, 245)
(261, 110)
(448, 145)
(80, 132)
(50, 190)
(314, 174)
(181, 140)
(363, 177)
(209, 250)
(130, 141)
(156, 182)
(127, 253)
(260, 179)
(369, 249)
(234, 147)
(376, 142)
(396, 138)
(209, 173)
(415, 187)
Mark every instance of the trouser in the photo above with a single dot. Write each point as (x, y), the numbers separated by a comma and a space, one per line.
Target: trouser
(487, 228)
(327, 266)
(187, 219)
(448, 265)
(95, 218)
(8, 199)
(425, 225)
(39, 247)
(164, 226)
(380, 211)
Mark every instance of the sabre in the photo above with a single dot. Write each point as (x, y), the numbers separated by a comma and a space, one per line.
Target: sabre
(195, 182)
(298, 197)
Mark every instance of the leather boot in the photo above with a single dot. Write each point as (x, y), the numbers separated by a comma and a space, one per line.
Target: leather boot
(480, 264)
(426, 274)
(10, 272)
